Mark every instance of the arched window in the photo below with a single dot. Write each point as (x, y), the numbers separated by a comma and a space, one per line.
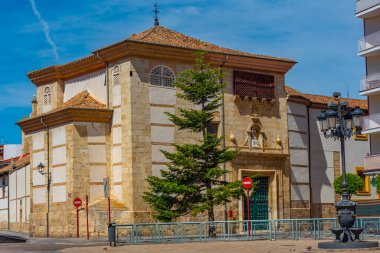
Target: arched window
(116, 75)
(161, 76)
(47, 95)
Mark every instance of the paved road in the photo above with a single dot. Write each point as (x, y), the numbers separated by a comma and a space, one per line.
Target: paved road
(41, 247)
(264, 246)
(282, 246)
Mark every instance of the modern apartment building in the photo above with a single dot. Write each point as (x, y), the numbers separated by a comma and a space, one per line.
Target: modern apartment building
(369, 48)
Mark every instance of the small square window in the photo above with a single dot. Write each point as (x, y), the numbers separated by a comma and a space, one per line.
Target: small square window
(212, 128)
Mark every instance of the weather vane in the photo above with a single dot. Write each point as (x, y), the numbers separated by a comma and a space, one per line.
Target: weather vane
(156, 23)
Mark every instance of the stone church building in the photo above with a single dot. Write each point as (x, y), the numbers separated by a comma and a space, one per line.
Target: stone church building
(103, 116)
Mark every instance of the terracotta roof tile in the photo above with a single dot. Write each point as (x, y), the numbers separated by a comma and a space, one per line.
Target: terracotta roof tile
(164, 36)
(320, 99)
(83, 100)
(18, 162)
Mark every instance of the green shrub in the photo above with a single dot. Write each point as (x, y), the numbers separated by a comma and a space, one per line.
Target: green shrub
(354, 184)
(377, 178)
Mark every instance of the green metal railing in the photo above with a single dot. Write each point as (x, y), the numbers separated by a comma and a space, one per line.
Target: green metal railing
(291, 229)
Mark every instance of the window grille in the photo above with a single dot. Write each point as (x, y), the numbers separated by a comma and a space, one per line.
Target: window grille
(161, 76)
(253, 85)
(47, 95)
(116, 75)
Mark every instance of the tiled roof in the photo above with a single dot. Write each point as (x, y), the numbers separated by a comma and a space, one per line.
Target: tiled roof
(82, 100)
(320, 99)
(163, 36)
(18, 162)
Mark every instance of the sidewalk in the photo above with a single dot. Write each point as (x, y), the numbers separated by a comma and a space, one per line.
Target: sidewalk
(265, 246)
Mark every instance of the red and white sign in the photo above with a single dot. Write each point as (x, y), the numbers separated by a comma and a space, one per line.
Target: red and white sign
(77, 202)
(247, 183)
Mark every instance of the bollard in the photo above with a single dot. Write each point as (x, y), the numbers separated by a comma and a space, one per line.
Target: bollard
(112, 233)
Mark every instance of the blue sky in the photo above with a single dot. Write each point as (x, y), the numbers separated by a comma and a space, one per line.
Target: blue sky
(320, 35)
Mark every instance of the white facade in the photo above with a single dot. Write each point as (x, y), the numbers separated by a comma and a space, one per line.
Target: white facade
(315, 161)
(19, 197)
(369, 47)
(4, 201)
(11, 151)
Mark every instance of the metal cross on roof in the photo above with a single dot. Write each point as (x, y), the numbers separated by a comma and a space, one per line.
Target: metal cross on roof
(156, 23)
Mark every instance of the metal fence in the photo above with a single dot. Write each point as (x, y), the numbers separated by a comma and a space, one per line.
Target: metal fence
(291, 229)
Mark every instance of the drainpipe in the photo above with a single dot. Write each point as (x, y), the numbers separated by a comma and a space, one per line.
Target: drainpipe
(106, 78)
(309, 159)
(48, 173)
(222, 118)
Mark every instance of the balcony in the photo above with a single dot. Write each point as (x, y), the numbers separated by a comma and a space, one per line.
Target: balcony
(370, 44)
(367, 8)
(254, 85)
(371, 124)
(370, 85)
(372, 164)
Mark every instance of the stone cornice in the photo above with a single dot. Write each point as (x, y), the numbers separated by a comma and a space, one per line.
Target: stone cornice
(137, 49)
(65, 116)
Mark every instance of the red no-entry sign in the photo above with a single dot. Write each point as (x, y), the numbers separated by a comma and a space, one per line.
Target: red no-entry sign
(77, 202)
(247, 183)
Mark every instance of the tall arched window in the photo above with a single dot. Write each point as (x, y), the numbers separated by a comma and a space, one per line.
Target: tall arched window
(161, 76)
(116, 75)
(47, 95)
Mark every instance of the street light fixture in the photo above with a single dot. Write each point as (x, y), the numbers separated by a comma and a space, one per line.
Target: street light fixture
(339, 122)
(41, 170)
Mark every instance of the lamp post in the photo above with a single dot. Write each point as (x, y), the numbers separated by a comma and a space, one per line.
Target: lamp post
(41, 170)
(338, 122)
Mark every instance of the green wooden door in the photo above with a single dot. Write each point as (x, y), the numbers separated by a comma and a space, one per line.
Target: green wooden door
(259, 200)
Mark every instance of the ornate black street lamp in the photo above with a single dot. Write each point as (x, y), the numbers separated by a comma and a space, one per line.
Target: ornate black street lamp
(339, 122)
(41, 170)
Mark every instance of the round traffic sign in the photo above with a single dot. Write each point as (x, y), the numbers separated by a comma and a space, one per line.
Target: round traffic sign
(77, 202)
(247, 183)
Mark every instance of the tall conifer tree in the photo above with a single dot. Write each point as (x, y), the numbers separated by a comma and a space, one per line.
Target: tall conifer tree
(193, 182)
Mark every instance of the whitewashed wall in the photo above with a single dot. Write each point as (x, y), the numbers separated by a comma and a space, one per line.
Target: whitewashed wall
(322, 167)
(298, 149)
(11, 151)
(97, 158)
(19, 195)
(162, 130)
(4, 200)
(93, 83)
(58, 164)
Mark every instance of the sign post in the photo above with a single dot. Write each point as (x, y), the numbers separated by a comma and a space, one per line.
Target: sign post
(77, 203)
(88, 234)
(247, 184)
(107, 196)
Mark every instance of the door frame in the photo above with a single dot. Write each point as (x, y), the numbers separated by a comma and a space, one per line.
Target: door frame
(272, 191)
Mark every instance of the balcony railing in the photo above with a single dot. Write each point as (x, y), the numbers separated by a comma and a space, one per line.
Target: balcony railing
(369, 41)
(372, 162)
(371, 122)
(362, 5)
(370, 82)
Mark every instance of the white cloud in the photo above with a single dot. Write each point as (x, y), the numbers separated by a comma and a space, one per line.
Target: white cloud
(46, 28)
